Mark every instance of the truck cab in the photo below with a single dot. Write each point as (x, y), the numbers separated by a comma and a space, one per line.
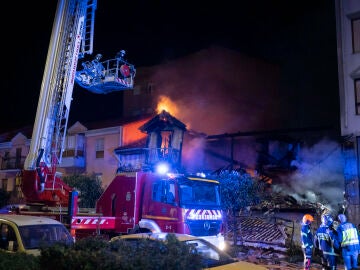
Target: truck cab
(172, 203)
(22, 233)
(178, 203)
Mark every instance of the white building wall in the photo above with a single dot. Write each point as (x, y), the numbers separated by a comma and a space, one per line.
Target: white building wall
(349, 66)
(349, 71)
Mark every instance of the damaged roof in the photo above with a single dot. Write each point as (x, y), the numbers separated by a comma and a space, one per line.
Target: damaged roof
(162, 121)
(261, 232)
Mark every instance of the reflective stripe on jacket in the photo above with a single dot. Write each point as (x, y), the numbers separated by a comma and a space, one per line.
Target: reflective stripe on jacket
(323, 241)
(306, 236)
(348, 236)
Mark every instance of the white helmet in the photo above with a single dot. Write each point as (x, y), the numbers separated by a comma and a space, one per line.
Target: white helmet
(327, 220)
(342, 218)
(98, 56)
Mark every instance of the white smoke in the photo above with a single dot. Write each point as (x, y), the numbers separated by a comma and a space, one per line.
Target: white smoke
(193, 154)
(319, 176)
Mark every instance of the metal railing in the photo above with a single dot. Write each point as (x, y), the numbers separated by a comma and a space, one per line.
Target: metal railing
(155, 155)
(11, 163)
(148, 157)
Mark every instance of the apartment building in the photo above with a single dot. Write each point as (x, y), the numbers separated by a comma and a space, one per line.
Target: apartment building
(348, 44)
(89, 148)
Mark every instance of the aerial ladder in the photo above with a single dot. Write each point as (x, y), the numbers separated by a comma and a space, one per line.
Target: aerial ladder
(71, 39)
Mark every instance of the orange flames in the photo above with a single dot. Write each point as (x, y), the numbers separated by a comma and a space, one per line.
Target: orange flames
(166, 104)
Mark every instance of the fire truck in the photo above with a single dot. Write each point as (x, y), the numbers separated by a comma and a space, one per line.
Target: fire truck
(135, 201)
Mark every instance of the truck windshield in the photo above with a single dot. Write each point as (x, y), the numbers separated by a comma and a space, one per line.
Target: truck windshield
(36, 236)
(195, 192)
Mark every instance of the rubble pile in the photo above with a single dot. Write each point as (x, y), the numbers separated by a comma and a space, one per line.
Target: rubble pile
(259, 232)
(270, 224)
(283, 203)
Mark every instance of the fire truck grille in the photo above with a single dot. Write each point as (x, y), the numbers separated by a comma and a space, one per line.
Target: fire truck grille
(204, 227)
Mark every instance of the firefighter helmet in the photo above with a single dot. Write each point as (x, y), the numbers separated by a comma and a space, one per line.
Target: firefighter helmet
(327, 220)
(307, 219)
(342, 218)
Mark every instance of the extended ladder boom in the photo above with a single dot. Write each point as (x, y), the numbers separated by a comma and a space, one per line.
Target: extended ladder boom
(71, 38)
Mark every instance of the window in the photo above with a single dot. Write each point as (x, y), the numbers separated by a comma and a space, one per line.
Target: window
(4, 184)
(150, 88)
(99, 148)
(355, 27)
(357, 96)
(74, 146)
(136, 91)
(8, 238)
(6, 164)
(80, 145)
(358, 154)
(18, 158)
(98, 176)
(163, 192)
(165, 142)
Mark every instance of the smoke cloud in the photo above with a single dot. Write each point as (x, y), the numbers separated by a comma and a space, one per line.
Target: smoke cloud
(319, 177)
(219, 90)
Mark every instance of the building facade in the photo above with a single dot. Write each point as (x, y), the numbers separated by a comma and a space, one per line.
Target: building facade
(87, 151)
(348, 48)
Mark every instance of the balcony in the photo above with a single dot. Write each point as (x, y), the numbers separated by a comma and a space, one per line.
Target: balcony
(170, 155)
(73, 158)
(135, 159)
(12, 163)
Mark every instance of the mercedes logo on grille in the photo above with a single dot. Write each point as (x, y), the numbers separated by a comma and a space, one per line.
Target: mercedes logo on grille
(207, 225)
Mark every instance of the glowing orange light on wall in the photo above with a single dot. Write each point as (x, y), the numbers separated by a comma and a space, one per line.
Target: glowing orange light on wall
(131, 132)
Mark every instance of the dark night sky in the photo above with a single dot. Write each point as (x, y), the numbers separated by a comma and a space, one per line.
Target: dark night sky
(298, 35)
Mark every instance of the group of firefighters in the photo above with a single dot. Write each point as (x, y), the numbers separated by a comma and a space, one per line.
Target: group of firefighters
(330, 241)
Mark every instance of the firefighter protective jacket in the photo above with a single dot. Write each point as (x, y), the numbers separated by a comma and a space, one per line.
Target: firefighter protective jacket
(348, 236)
(306, 236)
(324, 242)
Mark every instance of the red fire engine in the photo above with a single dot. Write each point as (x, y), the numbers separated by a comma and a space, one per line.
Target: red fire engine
(134, 201)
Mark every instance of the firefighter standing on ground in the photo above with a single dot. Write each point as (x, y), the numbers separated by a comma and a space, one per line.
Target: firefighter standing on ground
(324, 241)
(307, 240)
(348, 237)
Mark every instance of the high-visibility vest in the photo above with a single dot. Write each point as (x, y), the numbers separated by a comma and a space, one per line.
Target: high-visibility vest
(349, 234)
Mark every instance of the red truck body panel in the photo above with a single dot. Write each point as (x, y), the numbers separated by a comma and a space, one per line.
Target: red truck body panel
(131, 198)
(55, 192)
(118, 202)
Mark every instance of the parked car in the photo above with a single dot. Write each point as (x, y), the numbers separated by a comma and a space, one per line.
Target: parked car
(212, 257)
(22, 233)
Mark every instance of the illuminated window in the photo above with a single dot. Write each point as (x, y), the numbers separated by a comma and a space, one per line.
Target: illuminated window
(99, 148)
(357, 96)
(355, 27)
